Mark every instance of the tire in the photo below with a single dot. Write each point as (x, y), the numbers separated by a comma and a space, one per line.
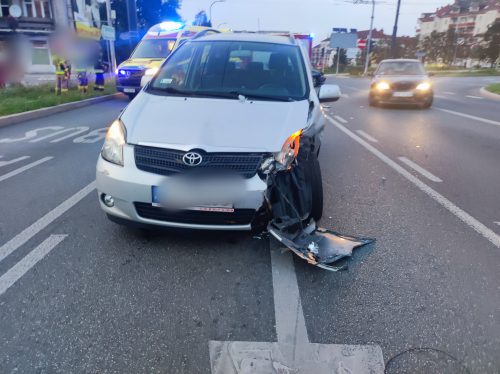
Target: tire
(131, 96)
(428, 103)
(372, 101)
(316, 189)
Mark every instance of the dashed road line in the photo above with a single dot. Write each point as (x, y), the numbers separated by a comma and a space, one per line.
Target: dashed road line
(13, 161)
(345, 96)
(29, 232)
(441, 97)
(340, 119)
(474, 97)
(480, 119)
(27, 262)
(420, 170)
(367, 136)
(24, 168)
(497, 222)
(465, 217)
(449, 93)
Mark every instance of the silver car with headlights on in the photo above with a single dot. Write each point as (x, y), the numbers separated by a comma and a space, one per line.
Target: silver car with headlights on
(194, 148)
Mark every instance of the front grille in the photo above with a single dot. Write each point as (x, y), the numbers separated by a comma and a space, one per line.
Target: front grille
(169, 162)
(239, 217)
(404, 86)
(133, 78)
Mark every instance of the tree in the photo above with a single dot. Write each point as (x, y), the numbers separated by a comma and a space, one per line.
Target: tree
(201, 19)
(170, 10)
(148, 13)
(491, 48)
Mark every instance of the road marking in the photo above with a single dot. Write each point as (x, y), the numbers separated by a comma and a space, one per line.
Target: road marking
(292, 353)
(24, 168)
(367, 136)
(498, 223)
(449, 93)
(440, 97)
(420, 169)
(78, 130)
(480, 119)
(345, 96)
(447, 204)
(25, 235)
(5, 163)
(31, 259)
(340, 119)
(474, 97)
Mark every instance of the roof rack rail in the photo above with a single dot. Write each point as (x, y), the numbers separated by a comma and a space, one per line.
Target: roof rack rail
(205, 32)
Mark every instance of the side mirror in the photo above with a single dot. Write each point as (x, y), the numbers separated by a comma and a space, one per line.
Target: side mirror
(431, 74)
(329, 93)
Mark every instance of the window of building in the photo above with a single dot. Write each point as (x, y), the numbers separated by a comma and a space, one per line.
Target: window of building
(4, 8)
(40, 53)
(28, 8)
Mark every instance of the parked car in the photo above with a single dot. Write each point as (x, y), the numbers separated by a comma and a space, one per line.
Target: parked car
(401, 81)
(197, 146)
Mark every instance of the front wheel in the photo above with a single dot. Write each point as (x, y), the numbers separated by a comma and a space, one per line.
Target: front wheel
(372, 101)
(316, 189)
(428, 103)
(131, 96)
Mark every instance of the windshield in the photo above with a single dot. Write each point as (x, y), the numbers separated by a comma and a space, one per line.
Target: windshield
(154, 48)
(257, 70)
(400, 68)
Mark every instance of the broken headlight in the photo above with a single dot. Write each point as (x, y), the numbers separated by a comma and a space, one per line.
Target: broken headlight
(289, 151)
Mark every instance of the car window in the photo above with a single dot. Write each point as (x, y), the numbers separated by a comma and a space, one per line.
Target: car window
(247, 68)
(154, 48)
(400, 68)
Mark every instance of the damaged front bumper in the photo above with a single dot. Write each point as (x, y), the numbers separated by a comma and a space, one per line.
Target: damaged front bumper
(293, 198)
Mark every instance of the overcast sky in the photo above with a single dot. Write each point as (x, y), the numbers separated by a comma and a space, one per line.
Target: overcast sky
(311, 16)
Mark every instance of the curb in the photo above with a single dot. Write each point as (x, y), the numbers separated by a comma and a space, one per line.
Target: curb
(488, 94)
(12, 119)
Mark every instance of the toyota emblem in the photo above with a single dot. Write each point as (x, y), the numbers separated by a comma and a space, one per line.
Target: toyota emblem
(192, 159)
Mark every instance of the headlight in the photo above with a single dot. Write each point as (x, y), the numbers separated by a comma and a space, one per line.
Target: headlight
(382, 86)
(116, 71)
(112, 150)
(151, 71)
(289, 151)
(424, 86)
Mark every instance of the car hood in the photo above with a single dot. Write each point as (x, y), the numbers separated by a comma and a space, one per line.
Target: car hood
(140, 63)
(213, 125)
(400, 78)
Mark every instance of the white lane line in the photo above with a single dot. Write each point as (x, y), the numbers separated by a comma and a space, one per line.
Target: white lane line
(447, 204)
(474, 97)
(5, 163)
(480, 119)
(25, 235)
(31, 259)
(449, 93)
(420, 169)
(367, 136)
(441, 97)
(289, 316)
(24, 168)
(340, 119)
(498, 223)
(345, 96)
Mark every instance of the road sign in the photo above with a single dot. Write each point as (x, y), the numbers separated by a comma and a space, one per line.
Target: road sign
(108, 32)
(343, 40)
(362, 43)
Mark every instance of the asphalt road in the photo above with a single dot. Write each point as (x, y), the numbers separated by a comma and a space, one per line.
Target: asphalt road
(83, 295)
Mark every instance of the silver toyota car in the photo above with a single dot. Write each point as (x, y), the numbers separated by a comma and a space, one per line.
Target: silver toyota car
(197, 146)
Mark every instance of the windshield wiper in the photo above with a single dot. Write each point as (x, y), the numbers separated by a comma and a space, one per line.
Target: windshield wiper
(249, 95)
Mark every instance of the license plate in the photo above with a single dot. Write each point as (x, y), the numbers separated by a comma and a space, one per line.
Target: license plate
(129, 90)
(402, 94)
(158, 196)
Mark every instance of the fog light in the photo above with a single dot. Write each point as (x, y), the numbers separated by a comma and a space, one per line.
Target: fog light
(108, 200)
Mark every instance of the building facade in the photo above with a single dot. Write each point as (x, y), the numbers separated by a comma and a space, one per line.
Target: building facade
(470, 18)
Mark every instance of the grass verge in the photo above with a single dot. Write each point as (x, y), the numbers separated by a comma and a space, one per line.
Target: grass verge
(470, 73)
(495, 88)
(22, 99)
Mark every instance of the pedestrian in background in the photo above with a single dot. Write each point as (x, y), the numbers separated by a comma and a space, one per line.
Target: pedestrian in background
(99, 75)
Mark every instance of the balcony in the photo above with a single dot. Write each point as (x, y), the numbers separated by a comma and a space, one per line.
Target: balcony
(29, 24)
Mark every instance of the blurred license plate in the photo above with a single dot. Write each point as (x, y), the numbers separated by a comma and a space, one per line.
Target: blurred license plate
(402, 94)
(129, 90)
(158, 198)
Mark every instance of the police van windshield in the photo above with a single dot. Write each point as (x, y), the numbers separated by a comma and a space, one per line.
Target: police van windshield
(233, 68)
(154, 48)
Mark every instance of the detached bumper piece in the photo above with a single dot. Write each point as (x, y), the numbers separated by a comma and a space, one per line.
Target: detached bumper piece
(321, 247)
(291, 196)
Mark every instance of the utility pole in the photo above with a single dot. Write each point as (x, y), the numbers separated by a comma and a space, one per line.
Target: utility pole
(395, 32)
(111, 43)
(369, 41)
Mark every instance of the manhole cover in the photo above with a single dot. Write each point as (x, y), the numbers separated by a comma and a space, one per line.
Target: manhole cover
(424, 361)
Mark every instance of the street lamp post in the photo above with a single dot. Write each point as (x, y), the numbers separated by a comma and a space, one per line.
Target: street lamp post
(211, 5)
(369, 41)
